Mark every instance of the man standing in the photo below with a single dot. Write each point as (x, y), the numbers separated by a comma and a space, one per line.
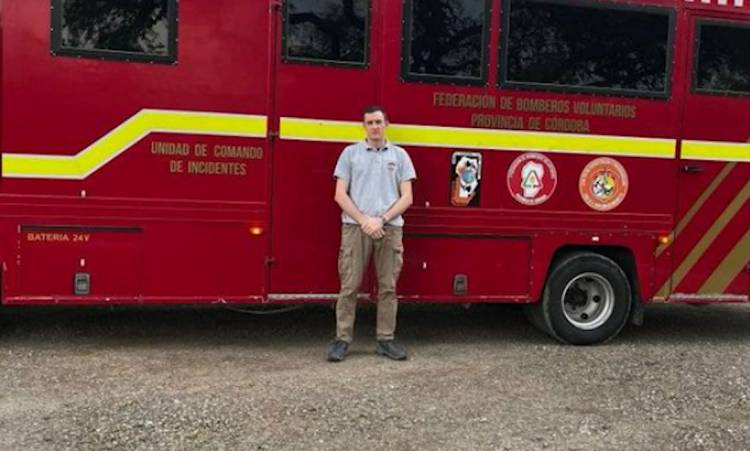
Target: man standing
(373, 189)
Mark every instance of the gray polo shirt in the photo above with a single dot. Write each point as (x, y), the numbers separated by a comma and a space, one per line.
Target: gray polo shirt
(374, 177)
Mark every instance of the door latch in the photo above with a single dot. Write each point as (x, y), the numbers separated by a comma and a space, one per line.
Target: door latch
(692, 169)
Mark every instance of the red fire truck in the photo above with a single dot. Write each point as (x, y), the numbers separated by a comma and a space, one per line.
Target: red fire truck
(581, 157)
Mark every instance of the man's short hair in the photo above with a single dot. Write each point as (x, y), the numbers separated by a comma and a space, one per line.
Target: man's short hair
(374, 109)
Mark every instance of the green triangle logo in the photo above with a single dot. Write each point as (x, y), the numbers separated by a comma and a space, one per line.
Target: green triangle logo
(531, 181)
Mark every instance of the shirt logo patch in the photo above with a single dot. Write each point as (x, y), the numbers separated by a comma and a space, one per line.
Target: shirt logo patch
(391, 165)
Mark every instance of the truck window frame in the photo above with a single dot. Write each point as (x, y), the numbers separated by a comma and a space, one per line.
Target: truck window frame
(58, 50)
(699, 22)
(407, 75)
(287, 59)
(502, 75)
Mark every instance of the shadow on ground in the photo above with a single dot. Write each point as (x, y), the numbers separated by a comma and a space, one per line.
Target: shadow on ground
(417, 323)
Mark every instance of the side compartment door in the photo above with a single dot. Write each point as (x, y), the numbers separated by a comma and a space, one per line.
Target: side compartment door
(325, 79)
(712, 244)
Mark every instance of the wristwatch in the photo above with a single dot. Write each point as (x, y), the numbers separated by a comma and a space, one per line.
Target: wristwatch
(384, 219)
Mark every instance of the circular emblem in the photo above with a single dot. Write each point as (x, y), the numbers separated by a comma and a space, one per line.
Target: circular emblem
(532, 178)
(603, 184)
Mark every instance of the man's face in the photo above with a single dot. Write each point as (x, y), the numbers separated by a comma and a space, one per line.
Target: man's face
(375, 125)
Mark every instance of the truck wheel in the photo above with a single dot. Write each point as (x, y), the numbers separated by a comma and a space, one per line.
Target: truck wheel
(535, 316)
(587, 299)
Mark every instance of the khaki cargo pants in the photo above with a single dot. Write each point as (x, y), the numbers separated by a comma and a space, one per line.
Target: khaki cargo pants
(354, 258)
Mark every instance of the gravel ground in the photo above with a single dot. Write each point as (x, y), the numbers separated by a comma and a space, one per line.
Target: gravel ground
(481, 378)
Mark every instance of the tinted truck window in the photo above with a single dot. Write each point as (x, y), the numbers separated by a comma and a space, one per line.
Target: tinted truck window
(723, 58)
(136, 29)
(445, 40)
(586, 48)
(326, 31)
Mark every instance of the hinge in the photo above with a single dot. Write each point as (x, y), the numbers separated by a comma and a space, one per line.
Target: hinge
(273, 134)
(269, 261)
(276, 4)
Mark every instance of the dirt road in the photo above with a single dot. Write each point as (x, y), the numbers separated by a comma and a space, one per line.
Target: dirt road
(481, 378)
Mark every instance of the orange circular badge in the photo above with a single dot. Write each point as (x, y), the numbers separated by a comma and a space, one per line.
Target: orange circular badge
(603, 184)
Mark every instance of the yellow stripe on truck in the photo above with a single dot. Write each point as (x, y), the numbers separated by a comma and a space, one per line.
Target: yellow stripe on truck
(471, 138)
(706, 241)
(715, 151)
(109, 146)
(695, 208)
(90, 159)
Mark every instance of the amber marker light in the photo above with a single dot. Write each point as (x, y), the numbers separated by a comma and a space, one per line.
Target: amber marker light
(665, 239)
(256, 231)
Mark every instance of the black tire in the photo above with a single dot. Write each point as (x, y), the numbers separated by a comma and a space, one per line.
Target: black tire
(535, 316)
(587, 299)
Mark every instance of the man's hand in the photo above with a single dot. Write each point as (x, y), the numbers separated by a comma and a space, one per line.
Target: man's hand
(373, 227)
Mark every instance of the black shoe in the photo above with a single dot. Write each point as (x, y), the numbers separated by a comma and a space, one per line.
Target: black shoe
(337, 351)
(391, 349)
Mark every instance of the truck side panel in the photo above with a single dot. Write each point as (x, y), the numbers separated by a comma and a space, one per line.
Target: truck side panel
(162, 167)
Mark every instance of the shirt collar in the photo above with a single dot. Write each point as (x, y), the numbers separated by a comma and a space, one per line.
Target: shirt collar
(386, 145)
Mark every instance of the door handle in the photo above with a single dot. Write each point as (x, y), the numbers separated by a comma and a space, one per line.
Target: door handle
(692, 169)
